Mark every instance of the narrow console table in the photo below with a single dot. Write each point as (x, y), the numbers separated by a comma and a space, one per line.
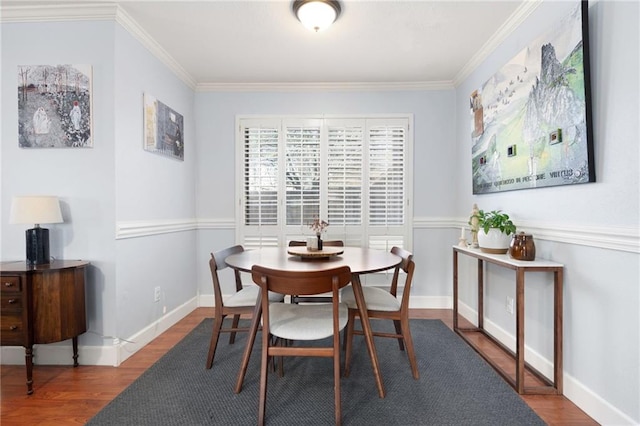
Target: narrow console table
(520, 267)
(42, 304)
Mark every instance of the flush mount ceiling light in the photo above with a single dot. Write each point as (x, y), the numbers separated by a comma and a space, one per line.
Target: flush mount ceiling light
(316, 14)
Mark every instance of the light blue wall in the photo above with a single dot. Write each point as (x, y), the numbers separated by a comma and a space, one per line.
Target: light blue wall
(117, 182)
(601, 293)
(112, 182)
(434, 148)
(82, 178)
(151, 188)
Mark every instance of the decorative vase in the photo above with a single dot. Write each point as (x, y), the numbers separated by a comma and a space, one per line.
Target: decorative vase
(495, 242)
(319, 242)
(522, 247)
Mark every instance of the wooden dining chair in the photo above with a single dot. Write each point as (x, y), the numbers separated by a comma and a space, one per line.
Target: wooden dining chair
(242, 302)
(383, 304)
(300, 323)
(296, 298)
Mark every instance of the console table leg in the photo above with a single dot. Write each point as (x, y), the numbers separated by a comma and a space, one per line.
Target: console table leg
(520, 330)
(558, 324)
(28, 358)
(455, 290)
(480, 294)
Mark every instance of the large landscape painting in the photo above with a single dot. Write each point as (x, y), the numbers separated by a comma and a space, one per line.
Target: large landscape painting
(54, 106)
(531, 121)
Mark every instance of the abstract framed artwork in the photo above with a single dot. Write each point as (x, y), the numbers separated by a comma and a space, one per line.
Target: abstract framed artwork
(54, 106)
(531, 123)
(163, 129)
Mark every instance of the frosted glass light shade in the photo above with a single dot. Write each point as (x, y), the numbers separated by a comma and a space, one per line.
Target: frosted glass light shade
(316, 15)
(35, 210)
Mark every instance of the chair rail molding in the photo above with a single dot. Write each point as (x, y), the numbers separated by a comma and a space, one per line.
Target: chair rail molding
(145, 228)
(222, 223)
(604, 237)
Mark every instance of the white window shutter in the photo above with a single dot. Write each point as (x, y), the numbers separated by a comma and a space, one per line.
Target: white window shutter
(353, 172)
(345, 177)
(302, 174)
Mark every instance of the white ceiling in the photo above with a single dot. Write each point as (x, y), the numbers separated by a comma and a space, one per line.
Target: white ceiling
(261, 42)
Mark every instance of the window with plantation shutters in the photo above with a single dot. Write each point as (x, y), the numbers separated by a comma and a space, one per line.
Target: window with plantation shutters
(302, 175)
(260, 176)
(386, 175)
(353, 172)
(345, 175)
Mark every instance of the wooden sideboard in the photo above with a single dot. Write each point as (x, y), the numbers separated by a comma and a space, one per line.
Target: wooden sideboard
(520, 267)
(42, 304)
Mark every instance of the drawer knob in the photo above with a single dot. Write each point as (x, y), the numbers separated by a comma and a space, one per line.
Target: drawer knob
(12, 301)
(13, 327)
(8, 284)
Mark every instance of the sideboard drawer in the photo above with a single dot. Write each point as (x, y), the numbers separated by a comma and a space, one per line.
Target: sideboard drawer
(11, 302)
(12, 330)
(10, 284)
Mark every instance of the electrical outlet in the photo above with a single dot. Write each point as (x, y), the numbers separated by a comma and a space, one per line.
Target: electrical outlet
(509, 305)
(156, 294)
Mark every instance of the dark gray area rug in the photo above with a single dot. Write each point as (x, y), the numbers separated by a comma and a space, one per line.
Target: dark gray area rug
(456, 387)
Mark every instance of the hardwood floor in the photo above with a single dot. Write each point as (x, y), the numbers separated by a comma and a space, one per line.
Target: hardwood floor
(64, 395)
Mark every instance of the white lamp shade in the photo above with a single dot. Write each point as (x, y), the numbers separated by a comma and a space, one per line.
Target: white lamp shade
(35, 210)
(317, 15)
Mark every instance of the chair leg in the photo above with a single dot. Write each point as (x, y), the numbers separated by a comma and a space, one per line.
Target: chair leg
(217, 325)
(336, 379)
(279, 342)
(253, 330)
(398, 327)
(264, 361)
(232, 335)
(348, 340)
(406, 332)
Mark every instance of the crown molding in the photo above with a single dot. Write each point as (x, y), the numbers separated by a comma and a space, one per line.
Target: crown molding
(96, 12)
(130, 25)
(324, 86)
(516, 18)
(110, 11)
(57, 13)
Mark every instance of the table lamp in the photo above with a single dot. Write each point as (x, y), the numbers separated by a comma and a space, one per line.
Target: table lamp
(36, 210)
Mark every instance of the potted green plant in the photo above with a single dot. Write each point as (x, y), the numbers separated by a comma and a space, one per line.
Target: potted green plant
(494, 230)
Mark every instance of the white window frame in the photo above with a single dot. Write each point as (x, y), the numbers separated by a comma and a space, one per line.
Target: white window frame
(364, 235)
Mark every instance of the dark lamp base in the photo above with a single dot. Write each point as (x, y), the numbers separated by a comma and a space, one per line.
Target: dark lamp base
(37, 246)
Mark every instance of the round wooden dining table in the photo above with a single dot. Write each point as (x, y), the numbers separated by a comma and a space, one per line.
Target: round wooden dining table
(359, 260)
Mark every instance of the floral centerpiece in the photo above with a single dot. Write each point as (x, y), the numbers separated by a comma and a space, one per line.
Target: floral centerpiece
(319, 226)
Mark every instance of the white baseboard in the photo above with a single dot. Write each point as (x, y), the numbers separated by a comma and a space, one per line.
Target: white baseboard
(430, 302)
(145, 336)
(594, 405)
(61, 354)
(587, 400)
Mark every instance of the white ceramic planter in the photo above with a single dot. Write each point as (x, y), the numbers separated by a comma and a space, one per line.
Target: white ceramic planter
(495, 241)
